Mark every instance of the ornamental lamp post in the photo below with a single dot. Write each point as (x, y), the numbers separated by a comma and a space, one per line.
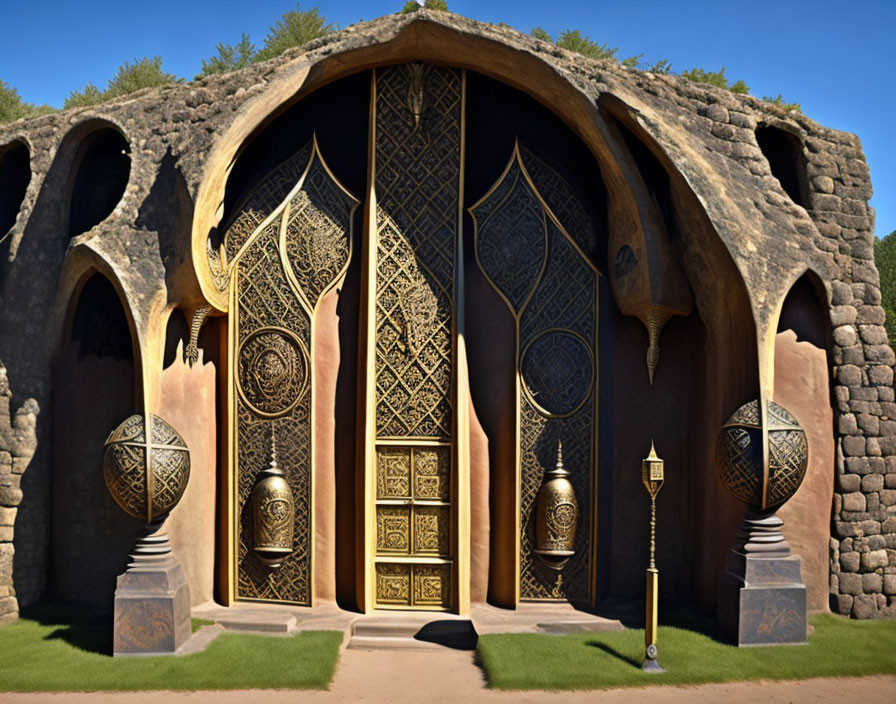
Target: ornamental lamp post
(652, 476)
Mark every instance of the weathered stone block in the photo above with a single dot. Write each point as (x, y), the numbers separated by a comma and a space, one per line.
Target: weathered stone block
(874, 560)
(851, 583)
(869, 315)
(849, 482)
(873, 447)
(849, 562)
(854, 446)
(7, 516)
(873, 334)
(888, 497)
(872, 583)
(845, 336)
(876, 542)
(857, 465)
(865, 607)
(870, 424)
(880, 375)
(841, 603)
(823, 184)
(868, 527)
(846, 424)
(879, 354)
(890, 584)
(843, 315)
(854, 501)
(849, 375)
(841, 293)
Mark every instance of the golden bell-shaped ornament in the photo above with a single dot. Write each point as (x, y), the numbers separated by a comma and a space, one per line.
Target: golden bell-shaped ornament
(556, 516)
(273, 515)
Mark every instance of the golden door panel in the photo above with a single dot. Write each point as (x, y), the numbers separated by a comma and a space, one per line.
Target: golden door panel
(552, 295)
(278, 277)
(417, 155)
(413, 585)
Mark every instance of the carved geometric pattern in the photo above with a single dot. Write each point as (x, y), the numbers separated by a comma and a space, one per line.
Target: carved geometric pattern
(432, 473)
(273, 371)
(557, 372)
(556, 329)
(431, 530)
(740, 455)
(432, 585)
(126, 467)
(564, 302)
(317, 242)
(510, 237)
(278, 283)
(393, 529)
(393, 472)
(560, 198)
(265, 299)
(264, 199)
(393, 584)
(413, 585)
(417, 182)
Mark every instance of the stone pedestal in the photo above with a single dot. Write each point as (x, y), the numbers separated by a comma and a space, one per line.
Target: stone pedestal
(152, 601)
(762, 600)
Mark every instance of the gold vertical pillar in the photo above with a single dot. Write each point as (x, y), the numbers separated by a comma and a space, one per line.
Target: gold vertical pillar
(652, 477)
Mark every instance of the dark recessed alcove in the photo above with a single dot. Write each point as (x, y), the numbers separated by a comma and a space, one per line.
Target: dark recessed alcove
(784, 151)
(655, 177)
(101, 170)
(15, 175)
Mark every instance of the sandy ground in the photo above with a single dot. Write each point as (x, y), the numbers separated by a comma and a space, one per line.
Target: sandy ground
(451, 676)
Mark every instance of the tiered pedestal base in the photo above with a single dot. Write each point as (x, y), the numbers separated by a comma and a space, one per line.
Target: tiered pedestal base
(152, 601)
(762, 600)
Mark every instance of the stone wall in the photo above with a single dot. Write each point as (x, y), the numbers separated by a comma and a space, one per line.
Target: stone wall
(706, 138)
(17, 445)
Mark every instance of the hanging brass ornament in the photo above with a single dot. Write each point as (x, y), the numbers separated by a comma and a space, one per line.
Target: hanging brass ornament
(556, 516)
(273, 512)
(652, 476)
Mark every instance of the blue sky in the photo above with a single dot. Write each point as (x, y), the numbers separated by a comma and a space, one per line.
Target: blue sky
(835, 58)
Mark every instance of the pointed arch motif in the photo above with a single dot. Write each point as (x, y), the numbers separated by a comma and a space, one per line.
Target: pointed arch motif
(551, 288)
(280, 271)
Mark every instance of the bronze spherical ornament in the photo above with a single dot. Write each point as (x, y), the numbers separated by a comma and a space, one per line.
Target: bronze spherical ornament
(146, 475)
(740, 455)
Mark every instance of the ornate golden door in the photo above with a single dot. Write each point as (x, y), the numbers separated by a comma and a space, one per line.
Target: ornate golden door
(286, 253)
(411, 449)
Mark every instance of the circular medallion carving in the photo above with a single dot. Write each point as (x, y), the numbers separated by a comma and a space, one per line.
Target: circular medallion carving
(558, 372)
(740, 455)
(273, 371)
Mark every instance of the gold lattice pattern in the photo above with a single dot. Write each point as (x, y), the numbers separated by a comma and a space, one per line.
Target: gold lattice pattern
(403, 585)
(319, 219)
(562, 201)
(264, 199)
(267, 302)
(510, 237)
(418, 124)
(556, 329)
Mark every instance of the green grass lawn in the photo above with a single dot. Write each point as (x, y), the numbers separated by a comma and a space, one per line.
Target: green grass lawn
(691, 654)
(58, 649)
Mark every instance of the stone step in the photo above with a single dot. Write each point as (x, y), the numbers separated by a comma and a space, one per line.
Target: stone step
(412, 632)
(268, 622)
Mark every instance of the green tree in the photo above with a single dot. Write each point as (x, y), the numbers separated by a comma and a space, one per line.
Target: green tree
(885, 259)
(541, 33)
(12, 107)
(88, 95)
(781, 103)
(230, 57)
(572, 40)
(413, 6)
(143, 73)
(662, 67)
(715, 78)
(294, 29)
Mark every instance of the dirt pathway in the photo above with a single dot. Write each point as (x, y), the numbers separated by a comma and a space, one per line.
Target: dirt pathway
(411, 677)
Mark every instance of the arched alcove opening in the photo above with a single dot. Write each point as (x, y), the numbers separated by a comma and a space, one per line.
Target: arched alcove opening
(93, 392)
(15, 175)
(784, 151)
(802, 386)
(100, 172)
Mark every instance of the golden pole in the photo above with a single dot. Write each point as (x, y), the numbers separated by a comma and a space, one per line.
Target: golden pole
(652, 476)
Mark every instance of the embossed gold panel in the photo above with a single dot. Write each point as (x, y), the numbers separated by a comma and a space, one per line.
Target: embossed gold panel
(417, 151)
(290, 242)
(535, 260)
